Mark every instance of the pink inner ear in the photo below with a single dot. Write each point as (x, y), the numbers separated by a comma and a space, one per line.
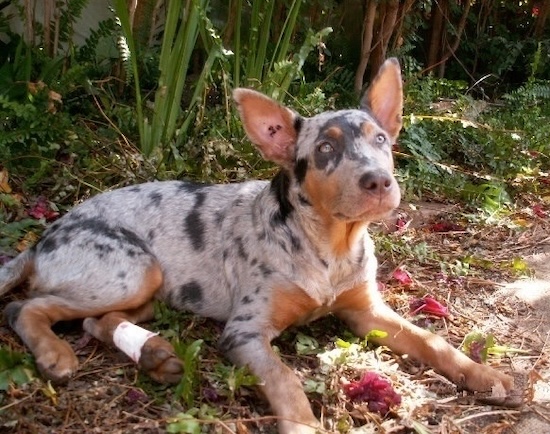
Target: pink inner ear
(384, 97)
(269, 125)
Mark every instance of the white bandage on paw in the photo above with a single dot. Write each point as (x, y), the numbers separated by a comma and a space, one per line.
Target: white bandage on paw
(130, 338)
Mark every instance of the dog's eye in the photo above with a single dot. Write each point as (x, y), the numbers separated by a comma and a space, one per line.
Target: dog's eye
(380, 139)
(325, 148)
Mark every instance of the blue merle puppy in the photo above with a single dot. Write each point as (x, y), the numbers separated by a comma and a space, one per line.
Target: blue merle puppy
(260, 256)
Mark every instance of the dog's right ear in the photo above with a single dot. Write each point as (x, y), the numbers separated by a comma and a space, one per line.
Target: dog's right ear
(269, 125)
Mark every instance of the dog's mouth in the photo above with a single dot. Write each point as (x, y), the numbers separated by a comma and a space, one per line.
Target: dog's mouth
(369, 209)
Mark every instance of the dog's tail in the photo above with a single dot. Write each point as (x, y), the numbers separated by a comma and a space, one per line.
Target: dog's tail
(16, 271)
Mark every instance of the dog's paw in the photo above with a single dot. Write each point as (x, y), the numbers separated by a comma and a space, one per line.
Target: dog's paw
(160, 362)
(57, 363)
(493, 387)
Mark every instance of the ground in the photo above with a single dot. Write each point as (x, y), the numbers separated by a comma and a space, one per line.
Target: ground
(493, 275)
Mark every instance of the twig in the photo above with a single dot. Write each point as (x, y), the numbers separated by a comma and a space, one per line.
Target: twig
(486, 413)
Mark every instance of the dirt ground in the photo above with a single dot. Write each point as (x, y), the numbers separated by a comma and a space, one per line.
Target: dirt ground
(109, 396)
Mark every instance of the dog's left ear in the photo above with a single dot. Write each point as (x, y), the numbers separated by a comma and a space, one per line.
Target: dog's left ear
(269, 125)
(384, 97)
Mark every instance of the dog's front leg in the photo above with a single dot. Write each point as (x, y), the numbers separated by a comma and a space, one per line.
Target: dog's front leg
(364, 310)
(278, 383)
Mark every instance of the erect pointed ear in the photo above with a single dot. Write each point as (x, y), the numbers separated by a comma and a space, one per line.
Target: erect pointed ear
(384, 97)
(269, 125)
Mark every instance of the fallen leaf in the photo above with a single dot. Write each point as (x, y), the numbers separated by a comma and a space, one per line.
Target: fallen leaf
(446, 226)
(375, 390)
(539, 211)
(42, 209)
(4, 178)
(402, 276)
(428, 306)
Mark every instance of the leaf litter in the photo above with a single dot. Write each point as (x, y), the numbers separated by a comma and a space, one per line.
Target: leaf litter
(450, 291)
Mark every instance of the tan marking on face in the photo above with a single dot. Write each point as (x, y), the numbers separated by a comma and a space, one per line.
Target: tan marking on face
(334, 133)
(291, 306)
(368, 128)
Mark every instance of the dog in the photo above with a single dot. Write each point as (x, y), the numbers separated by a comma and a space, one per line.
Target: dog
(260, 256)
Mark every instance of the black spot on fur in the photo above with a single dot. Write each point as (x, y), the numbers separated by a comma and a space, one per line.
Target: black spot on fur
(236, 339)
(303, 200)
(253, 262)
(247, 299)
(191, 293)
(135, 189)
(324, 262)
(300, 170)
(191, 187)
(151, 235)
(246, 317)
(298, 122)
(47, 244)
(122, 274)
(295, 243)
(12, 311)
(241, 251)
(266, 271)
(280, 186)
(194, 226)
(155, 198)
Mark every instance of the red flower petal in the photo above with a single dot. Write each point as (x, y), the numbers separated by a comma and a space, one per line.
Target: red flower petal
(428, 306)
(402, 276)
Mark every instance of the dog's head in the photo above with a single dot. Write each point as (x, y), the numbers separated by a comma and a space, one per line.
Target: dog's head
(341, 160)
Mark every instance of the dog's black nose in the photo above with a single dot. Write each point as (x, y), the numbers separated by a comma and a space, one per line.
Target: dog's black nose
(376, 182)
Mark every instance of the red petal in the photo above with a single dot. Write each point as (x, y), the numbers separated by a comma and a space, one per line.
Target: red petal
(402, 276)
(428, 306)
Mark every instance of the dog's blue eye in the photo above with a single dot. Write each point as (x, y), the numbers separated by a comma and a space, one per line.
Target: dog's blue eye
(325, 148)
(380, 139)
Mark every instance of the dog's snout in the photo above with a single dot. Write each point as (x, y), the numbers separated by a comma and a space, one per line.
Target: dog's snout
(376, 182)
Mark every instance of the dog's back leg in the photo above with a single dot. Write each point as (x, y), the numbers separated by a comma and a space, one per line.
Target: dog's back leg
(153, 354)
(32, 319)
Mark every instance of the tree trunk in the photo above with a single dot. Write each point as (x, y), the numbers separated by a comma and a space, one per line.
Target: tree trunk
(386, 24)
(456, 43)
(543, 13)
(398, 33)
(436, 38)
(366, 43)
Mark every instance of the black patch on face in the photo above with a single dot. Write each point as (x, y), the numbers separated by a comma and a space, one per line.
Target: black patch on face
(300, 169)
(191, 293)
(155, 198)
(343, 146)
(194, 226)
(280, 186)
(236, 339)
